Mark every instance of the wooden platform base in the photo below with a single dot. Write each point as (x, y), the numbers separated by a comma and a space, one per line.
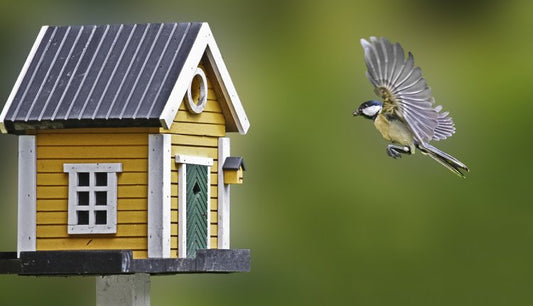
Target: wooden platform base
(64, 263)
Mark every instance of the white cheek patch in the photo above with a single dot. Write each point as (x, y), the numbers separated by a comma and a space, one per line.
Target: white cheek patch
(371, 110)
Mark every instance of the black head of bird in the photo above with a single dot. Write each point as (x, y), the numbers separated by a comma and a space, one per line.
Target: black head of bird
(369, 109)
(407, 116)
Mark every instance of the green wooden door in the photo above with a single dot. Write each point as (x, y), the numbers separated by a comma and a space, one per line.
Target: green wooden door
(196, 208)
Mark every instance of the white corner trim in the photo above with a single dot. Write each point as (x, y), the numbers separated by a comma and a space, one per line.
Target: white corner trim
(195, 160)
(159, 204)
(182, 210)
(187, 72)
(27, 206)
(228, 89)
(223, 196)
(21, 77)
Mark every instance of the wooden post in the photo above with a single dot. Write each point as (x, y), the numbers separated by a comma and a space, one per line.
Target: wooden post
(127, 289)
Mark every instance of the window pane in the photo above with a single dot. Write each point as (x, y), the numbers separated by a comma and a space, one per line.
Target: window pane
(83, 198)
(83, 217)
(100, 217)
(101, 178)
(83, 179)
(101, 197)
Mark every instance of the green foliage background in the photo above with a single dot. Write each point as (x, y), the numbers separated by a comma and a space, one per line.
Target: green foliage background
(330, 219)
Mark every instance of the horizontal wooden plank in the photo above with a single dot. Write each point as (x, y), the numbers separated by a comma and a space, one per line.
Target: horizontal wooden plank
(214, 242)
(123, 230)
(204, 117)
(52, 205)
(92, 243)
(195, 151)
(214, 203)
(212, 104)
(58, 179)
(128, 130)
(132, 178)
(92, 152)
(202, 129)
(130, 191)
(174, 216)
(124, 204)
(62, 204)
(140, 254)
(61, 218)
(203, 141)
(56, 165)
(92, 139)
(52, 192)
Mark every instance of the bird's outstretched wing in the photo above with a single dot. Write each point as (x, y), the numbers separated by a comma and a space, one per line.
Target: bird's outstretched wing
(404, 91)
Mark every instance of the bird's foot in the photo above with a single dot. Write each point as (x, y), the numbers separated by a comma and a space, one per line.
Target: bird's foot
(395, 151)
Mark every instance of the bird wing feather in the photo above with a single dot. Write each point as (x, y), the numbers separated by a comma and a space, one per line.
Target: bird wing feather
(404, 91)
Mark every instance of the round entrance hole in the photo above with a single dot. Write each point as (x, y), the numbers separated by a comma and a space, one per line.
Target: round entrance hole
(197, 92)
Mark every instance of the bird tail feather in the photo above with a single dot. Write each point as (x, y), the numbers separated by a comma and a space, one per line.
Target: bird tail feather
(445, 159)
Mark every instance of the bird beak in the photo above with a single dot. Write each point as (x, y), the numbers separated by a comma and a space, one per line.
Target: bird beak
(356, 112)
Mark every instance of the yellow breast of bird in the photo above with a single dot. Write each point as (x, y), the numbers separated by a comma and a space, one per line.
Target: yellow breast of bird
(394, 130)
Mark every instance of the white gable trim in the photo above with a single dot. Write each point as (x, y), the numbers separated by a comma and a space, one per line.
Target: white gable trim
(21, 77)
(205, 43)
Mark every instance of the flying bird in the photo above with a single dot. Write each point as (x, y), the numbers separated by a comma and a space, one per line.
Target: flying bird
(406, 117)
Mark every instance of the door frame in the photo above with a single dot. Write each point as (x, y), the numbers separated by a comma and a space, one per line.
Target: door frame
(183, 161)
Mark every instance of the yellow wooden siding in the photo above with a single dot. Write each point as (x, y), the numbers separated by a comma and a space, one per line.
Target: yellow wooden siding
(197, 135)
(128, 146)
(192, 134)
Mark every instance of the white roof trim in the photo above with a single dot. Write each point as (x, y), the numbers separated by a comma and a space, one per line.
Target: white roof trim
(21, 77)
(205, 42)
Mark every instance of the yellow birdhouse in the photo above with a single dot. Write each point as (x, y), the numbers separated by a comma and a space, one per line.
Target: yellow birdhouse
(233, 170)
(120, 128)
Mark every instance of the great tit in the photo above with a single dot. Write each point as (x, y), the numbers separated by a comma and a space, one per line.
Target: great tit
(406, 117)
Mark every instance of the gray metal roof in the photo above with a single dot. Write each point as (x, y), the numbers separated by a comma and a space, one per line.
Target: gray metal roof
(101, 75)
(233, 163)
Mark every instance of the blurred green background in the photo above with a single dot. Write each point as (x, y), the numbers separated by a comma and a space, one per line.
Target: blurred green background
(330, 219)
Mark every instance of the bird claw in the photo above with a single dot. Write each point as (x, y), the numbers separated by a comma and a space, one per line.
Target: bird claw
(393, 153)
(396, 152)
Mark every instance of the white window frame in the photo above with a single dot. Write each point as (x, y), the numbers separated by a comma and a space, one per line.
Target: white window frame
(111, 189)
(182, 161)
